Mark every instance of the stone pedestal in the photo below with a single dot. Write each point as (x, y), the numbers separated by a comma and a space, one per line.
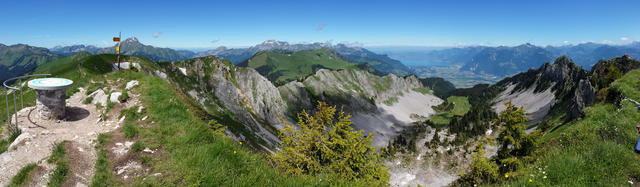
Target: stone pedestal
(51, 104)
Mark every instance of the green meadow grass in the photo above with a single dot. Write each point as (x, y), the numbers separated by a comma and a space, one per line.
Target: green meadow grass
(595, 151)
(287, 67)
(194, 155)
(460, 107)
(103, 175)
(23, 175)
(59, 158)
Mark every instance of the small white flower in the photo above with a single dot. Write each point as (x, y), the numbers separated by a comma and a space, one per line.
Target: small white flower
(630, 182)
(544, 177)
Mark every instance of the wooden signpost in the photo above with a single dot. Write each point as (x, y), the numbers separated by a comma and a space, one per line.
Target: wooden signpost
(117, 39)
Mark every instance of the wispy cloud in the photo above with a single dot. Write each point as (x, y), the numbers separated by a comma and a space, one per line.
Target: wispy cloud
(157, 34)
(565, 42)
(624, 39)
(320, 27)
(607, 42)
(216, 40)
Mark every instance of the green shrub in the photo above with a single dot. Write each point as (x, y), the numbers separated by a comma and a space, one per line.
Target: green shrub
(327, 142)
(512, 134)
(480, 171)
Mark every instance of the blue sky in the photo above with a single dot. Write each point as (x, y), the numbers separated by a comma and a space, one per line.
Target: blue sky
(207, 24)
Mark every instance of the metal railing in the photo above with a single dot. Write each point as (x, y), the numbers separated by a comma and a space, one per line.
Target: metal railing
(11, 89)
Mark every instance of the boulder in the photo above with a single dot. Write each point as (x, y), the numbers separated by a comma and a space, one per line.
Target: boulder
(24, 137)
(114, 97)
(99, 97)
(131, 84)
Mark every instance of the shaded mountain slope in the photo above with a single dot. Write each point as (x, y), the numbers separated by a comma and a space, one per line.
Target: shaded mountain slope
(131, 46)
(19, 59)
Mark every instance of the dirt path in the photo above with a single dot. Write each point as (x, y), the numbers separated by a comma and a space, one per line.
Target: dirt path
(80, 129)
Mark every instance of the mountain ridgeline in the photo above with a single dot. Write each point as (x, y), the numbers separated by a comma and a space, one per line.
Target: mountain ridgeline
(253, 107)
(284, 67)
(506, 61)
(381, 63)
(132, 46)
(16, 60)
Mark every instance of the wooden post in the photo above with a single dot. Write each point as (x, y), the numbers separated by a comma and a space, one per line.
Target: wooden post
(119, 36)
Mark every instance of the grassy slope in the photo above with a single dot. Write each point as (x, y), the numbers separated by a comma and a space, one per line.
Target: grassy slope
(460, 107)
(287, 67)
(23, 175)
(594, 151)
(194, 155)
(191, 153)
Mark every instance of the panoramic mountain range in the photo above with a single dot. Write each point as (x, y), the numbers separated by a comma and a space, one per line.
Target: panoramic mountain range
(503, 60)
(132, 46)
(499, 61)
(425, 128)
(478, 64)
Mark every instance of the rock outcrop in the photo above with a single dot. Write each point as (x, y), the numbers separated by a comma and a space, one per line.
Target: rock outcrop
(562, 80)
(244, 97)
(229, 92)
(379, 105)
(583, 96)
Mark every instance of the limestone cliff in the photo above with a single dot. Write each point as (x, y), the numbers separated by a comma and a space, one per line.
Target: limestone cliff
(252, 107)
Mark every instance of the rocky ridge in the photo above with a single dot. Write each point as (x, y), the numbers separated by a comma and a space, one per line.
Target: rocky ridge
(245, 96)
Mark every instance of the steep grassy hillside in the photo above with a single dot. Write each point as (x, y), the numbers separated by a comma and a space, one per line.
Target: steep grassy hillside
(18, 59)
(191, 151)
(439, 86)
(594, 151)
(282, 67)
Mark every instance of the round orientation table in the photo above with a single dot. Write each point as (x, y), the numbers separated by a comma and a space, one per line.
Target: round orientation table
(50, 96)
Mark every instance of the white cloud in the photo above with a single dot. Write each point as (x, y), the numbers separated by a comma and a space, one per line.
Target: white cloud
(216, 40)
(624, 39)
(157, 34)
(320, 27)
(565, 42)
(607, 42)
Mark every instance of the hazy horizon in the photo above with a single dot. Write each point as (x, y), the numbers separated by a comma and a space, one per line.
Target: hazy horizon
(206, 24)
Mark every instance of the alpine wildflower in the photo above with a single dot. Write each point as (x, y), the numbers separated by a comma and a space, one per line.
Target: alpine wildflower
(506, 175)
(530, 180)
(234, 152)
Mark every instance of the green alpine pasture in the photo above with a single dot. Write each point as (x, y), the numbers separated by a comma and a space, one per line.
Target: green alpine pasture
(453, 106)
(283, 67)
